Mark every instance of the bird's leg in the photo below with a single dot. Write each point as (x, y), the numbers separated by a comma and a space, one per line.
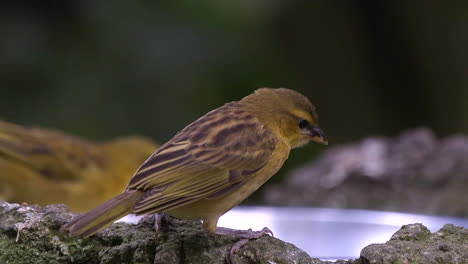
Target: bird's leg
(244, 237)
(160, 219)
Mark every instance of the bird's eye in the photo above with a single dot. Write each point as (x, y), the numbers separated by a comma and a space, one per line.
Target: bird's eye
(303, 123)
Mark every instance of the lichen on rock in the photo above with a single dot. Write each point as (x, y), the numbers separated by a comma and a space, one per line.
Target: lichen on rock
(415, 244)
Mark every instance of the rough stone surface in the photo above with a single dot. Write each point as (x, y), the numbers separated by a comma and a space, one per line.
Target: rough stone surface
(29, 234)
(416, 245)
(414, 172)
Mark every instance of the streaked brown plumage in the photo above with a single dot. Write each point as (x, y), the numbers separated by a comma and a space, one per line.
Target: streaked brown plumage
(44, 166)
(214, 163)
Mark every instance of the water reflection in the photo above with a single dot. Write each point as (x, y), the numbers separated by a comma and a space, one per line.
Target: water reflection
(330, 233)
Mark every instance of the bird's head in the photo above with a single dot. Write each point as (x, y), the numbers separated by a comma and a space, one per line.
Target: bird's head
(289, 114)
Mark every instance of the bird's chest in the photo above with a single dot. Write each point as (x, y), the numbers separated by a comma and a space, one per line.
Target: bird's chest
(205, 207)
(257, 180)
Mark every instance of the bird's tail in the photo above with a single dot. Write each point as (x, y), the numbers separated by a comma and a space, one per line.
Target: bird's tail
(103, 215)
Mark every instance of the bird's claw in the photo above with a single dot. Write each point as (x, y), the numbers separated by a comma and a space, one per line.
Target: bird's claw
(267, 231)
(245, 236)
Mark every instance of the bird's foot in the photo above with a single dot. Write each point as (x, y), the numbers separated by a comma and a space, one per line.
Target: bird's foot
(244, 237)
(160, 220)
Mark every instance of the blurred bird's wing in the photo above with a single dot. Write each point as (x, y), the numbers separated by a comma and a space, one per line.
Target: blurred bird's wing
(51, 153)
(16, 143)
(204, 162)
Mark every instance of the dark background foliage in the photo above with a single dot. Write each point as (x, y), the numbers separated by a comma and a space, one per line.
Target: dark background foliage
(102, 69)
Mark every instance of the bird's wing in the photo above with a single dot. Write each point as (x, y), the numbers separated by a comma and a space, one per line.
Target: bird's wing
(52, 154)
(203, 163)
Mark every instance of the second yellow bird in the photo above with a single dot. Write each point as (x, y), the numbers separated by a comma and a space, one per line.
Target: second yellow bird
(45, 166)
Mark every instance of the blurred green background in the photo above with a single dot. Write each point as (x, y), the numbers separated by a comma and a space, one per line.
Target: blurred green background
(102, 69)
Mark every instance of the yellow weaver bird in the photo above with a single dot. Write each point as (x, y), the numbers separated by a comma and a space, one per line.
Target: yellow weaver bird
(45, 166)
(214, 163)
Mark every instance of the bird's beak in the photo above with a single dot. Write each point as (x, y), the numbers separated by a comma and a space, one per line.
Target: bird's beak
(317, 135)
